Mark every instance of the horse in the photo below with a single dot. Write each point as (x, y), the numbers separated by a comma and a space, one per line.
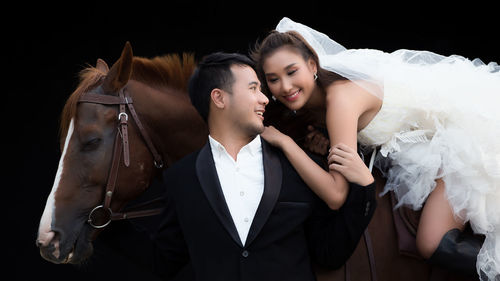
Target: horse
(92, 127)
(95, 133)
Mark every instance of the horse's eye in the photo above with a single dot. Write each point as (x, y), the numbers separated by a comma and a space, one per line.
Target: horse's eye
(92, 144)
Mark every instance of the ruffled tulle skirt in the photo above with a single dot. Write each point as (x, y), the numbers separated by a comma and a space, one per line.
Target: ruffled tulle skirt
(442, 121)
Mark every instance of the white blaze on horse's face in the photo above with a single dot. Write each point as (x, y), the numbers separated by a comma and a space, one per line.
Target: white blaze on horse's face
(45, 233)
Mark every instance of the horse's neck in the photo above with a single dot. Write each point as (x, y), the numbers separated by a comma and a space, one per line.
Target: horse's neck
(173, 123)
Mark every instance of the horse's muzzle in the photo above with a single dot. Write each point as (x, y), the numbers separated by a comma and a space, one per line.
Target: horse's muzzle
(49, 244)
(60, 251)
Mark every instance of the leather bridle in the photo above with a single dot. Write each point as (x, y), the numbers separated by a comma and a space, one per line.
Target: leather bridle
(124, 101)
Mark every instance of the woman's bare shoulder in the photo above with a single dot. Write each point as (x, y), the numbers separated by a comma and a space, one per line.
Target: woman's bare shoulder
(346, 87)
(342, 93)
(345, 92)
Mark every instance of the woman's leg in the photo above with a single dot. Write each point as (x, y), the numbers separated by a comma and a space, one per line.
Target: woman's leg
(441, 239)
(436, 220)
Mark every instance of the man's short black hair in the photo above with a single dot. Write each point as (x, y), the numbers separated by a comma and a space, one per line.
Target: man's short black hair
(214, 71)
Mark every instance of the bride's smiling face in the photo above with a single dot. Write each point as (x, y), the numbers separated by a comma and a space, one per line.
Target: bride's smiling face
(289, 77)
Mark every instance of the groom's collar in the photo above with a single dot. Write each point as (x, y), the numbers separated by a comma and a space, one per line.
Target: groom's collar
(253, 147)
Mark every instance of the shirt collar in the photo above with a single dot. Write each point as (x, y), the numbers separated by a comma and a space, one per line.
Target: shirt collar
(217, 148)
(254, 147)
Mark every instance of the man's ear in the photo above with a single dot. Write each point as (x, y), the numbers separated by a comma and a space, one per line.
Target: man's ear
(217, 96)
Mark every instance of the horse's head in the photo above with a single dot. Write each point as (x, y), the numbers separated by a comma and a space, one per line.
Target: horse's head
(88, 134)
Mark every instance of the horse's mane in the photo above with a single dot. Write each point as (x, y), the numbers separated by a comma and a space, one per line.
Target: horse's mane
(168, 71)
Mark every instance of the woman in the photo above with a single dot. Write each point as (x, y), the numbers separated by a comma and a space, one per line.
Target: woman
(434, 118)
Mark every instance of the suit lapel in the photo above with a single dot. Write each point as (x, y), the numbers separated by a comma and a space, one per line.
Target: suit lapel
(209, 181)
(272, 187)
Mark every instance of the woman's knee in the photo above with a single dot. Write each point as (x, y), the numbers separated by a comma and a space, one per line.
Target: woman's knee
(436, 220)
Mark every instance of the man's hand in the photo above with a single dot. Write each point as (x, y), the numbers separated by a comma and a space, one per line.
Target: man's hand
(316, 142)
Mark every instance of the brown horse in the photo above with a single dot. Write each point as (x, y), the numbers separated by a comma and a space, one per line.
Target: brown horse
(157, 88)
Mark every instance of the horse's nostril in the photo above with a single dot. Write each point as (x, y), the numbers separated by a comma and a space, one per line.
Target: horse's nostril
(44, 239)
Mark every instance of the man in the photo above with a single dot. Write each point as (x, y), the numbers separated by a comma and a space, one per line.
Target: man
(237, 210)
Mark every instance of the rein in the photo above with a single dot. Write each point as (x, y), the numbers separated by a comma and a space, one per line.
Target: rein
(121, 143)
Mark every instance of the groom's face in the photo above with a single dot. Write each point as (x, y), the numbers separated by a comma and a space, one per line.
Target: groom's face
(246, 103)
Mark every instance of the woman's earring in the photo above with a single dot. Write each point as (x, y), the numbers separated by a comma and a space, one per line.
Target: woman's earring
(274, 98)
(315, 76)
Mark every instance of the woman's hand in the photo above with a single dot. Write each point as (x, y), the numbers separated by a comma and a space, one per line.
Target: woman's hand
(274, 136)
(346, 161)
(316, 142)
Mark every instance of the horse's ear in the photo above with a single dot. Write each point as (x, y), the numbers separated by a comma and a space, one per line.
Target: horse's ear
(120, 72)
(102, 66)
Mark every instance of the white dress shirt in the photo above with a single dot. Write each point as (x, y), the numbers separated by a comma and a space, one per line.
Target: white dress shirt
(242, 181)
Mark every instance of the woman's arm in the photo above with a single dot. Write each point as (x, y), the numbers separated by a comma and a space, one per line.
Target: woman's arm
(344, 105)
(319, 180)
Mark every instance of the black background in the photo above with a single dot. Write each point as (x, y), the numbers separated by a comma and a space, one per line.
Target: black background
(46, 46)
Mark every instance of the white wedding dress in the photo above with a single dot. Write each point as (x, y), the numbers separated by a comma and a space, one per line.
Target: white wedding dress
(440, 118)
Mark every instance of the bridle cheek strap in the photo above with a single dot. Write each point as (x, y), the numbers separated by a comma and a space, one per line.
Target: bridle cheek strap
(122, 143)
(113, 172)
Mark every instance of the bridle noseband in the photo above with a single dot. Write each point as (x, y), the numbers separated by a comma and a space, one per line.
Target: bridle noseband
(121, 143)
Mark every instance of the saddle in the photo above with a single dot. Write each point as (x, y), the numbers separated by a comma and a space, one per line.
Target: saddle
(406, 224)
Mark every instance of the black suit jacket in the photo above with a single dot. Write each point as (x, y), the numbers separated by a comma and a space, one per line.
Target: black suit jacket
(291, 229)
